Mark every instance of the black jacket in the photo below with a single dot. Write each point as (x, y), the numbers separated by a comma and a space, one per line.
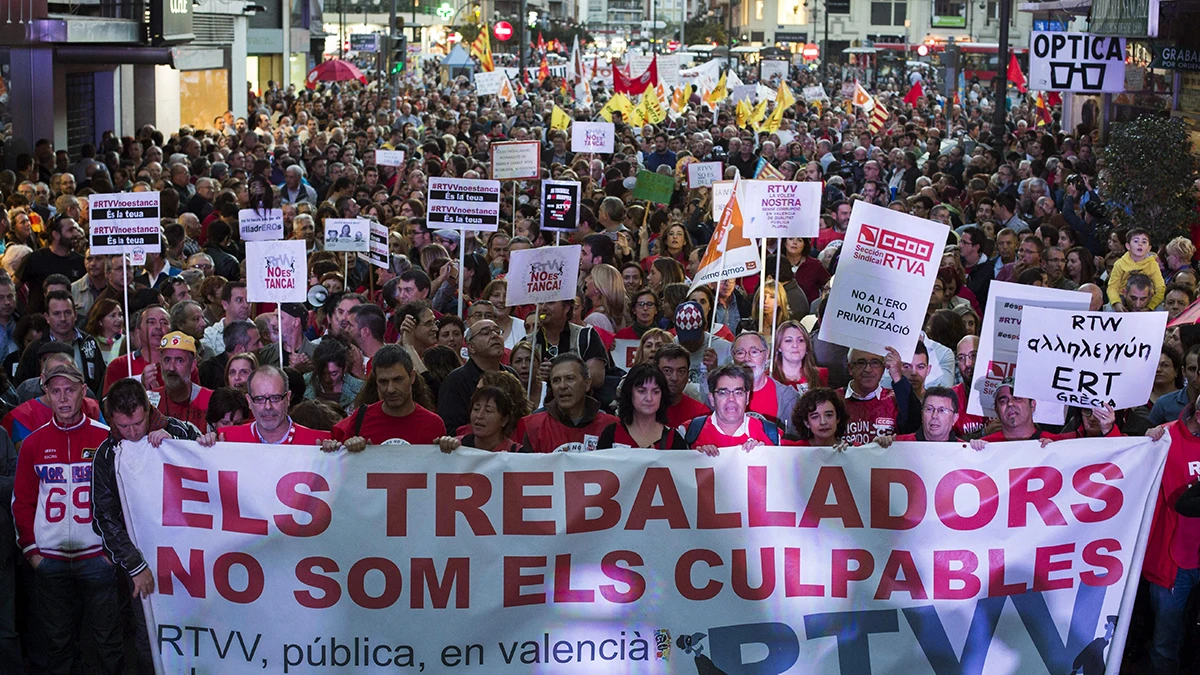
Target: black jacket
(87, 356)
(454, 394)
(108, 517)
(979, 279)
(8, 469)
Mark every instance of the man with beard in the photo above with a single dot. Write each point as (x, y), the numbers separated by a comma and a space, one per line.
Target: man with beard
(179, 397)
(1016, 420)
(572, 421)
(967, 425)
(297, 348)
(57, 257)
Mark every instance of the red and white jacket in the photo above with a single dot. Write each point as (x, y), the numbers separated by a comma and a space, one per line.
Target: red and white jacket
(52, 492)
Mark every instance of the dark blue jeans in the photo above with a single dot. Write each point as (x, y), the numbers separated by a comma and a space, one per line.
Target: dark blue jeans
(68, 591)
(1170, 620)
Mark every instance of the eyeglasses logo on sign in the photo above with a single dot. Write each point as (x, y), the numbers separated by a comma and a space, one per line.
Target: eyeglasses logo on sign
(895, 250)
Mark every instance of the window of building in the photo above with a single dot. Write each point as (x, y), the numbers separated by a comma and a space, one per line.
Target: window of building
(837, 6)
(792, 13)
(949, 14)
(888, 13)
(993, 11)
(81, 110)
(758, 10)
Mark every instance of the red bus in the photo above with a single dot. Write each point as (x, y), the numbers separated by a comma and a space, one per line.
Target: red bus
(978, 59)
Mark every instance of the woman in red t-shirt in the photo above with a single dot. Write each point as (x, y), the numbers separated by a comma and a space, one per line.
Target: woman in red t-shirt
(820, 419)
(795, 361)
(642, 413)
(493, 418)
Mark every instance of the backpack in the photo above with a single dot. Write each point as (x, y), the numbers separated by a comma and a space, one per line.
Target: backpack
(697, 424)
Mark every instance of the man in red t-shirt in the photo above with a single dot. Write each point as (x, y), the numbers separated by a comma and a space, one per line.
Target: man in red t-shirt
(730, 424)
(179, 397)
(572, 420)
(396, 419)
(967, 425)
(874, 410)
(151, 325)
(675, 363)
(269, 400)
(770, 398)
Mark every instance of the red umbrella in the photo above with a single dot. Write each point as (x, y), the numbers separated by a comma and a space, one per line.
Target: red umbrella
(334, 71)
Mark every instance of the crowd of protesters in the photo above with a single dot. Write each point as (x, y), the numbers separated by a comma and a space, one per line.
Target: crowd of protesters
(389, 359)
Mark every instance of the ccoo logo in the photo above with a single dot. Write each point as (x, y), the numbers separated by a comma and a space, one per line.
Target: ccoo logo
(895, 242)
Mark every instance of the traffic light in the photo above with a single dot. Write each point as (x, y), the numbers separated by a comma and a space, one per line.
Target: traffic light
(399, 52)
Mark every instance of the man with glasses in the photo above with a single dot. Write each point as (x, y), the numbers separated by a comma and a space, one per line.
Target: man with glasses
(967, 425)
(485, 346)
(938, 412)
(770, 398)
(872, 409)
(730, 425)
(269, 400)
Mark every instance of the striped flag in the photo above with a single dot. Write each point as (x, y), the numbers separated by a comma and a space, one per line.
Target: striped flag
(481, 49)
(879, 117)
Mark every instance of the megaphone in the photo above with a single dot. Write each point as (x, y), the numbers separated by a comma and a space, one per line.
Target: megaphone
(317, 295)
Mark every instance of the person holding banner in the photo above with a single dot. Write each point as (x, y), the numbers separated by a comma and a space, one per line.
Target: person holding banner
(820, 420)
(730, 425)
(875, 410)
(393, 417)
(572, 420)
(1016, 421)
(269, 400)
(642, 413)
(493, 417)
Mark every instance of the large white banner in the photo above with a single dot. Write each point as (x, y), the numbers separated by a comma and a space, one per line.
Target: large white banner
(920, 559)
(463, 204)
(776, 208)
(888, 263)
(1089, 359)
(276, 271)
(546, 274)
(1078, 62)
(999, 342)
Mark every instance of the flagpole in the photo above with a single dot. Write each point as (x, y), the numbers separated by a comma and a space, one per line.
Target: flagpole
(778, 288)
(762, 289)
(128, 337)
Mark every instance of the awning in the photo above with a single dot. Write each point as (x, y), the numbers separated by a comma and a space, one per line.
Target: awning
(1076, 7)
(179, 58)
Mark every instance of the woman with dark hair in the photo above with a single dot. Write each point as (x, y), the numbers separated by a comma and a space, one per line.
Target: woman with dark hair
(226, 408)
(330, 379)
(1168, 377)
(477, 273)
(493, 418)
(439, 362)
(945, 327)
(820, 419)
(262, 194)
(1081, 266)
(106, 323)
(30, 328)
(808, 272)
(665, 271)
(642, 413)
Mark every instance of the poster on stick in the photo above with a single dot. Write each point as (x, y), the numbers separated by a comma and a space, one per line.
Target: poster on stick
(999, 341)
(722, 190)
(888, 264)
(124, 223)
(595, 137)
(489, 83)
(779, 209)
(704, 174)
(260, 225)
(516, 160)
(347, 234)
(1089, 359)
(463, 204)
(379, 254)
(560, 205)
(389, 157)
(276, 271)
(537, 275)
(1078, 62)
(767, 562)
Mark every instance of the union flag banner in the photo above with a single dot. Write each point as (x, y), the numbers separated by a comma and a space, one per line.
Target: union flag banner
(730, 254)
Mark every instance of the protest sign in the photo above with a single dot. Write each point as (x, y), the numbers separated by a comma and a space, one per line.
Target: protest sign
(379, 254)
(276, 271)
(463, 204)
(124, 223)
(730, 254)
(560, 205)
(347, 234)
(781, 208)
(489, 83)
(389, 157)
(668, 70)
(260, 225)
(597, 137)
(1077, 62)
(814, 93)
(704, 174)
(722, 190)
(538, 275)
(1089, 359)
(743, 92)
(773, 71)
(654, 187)
(999, 338)
(888, 263)
(516, 160)
(639, 561)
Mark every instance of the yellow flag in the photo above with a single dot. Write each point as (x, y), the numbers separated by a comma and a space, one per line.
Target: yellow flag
(783, 101)
(717, 94)
(743, 113)
(559, 119)
(636, 118)
(784, 98)
(652, 108)
(618, 103)
(679, 99)
(759, 113)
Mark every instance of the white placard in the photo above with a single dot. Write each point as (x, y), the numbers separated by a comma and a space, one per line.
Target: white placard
(487, 84)
(379, 254)
(638, 63)
(260, 226)
(998, 342)
(516, 160)
(124, 223)
(537, 275)
(704, 174)
(276, 271)
(743, 92)
(1089, 359)
(722, 190)
(389, 157)
(463, 204)
(776, 208)
(347, 234)
(597, 137)
(814, 93)
(773, 72)
(1078, 62)
(668, 70)
(888, 264)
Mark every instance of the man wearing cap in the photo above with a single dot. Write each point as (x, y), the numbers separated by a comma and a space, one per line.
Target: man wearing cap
(60, 315)
(705, 350)
(32, 414)
(179, 397)
(150, 324)
(1016, 420)
(485, 345)
(297, 348)
(270, 399)
(32, 388)
(51, 497)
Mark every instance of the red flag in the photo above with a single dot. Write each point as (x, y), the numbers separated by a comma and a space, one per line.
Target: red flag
(1054, 99)
(914, 94)
(541, 42)
(623, 83)
(1014, 74)
(543, 70)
